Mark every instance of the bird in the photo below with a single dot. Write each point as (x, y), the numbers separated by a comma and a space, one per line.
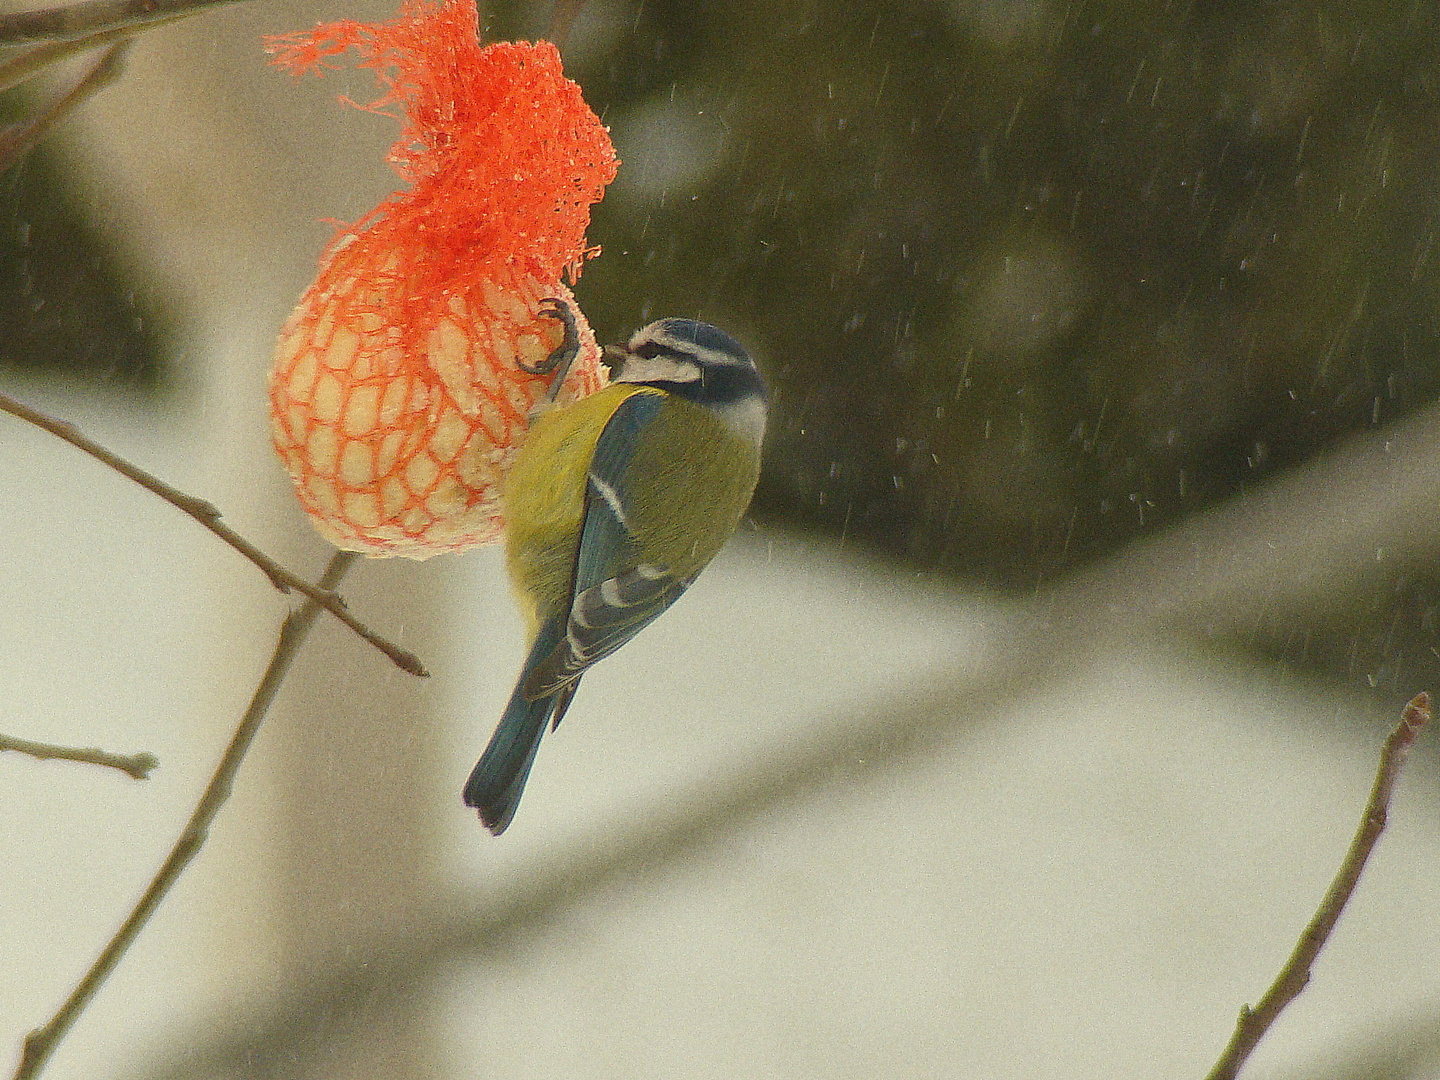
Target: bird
(613, 506)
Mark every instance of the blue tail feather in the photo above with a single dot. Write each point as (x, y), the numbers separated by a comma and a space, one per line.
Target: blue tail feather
(499, 776)
(498, 779)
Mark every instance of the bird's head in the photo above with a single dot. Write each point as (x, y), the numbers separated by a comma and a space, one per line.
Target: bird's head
(698, 362)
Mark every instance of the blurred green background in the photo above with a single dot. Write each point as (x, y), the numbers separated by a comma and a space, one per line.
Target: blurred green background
(1029, 278)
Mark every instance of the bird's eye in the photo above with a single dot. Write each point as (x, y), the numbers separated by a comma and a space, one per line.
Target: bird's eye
(650, 350)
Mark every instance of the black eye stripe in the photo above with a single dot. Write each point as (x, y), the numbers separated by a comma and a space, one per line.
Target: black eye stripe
(650, 350)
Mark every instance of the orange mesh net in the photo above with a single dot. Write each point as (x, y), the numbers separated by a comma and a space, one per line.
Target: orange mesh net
(396, 396)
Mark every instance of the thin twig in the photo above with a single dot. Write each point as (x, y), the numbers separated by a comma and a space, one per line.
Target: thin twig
(94, 16)
(206, 514)
(17, 139)
(137, 765)
(1293, 977)
(40, 1044)
(17, 69)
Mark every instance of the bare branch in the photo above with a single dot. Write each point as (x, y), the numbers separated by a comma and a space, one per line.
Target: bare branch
(17, 139)
(137, 765)
(40, 1044)
(76, 28)
(17, 69)
(1255, 1022)
(95, 16)
(207, 515)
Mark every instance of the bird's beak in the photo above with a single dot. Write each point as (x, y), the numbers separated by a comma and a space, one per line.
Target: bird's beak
(614, 357)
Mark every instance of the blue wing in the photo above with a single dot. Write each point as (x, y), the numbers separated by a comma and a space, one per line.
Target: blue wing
(616, 593)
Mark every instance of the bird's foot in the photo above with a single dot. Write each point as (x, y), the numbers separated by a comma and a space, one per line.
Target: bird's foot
(557, 364)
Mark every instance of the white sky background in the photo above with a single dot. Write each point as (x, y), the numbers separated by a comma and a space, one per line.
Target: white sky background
(1093, 843)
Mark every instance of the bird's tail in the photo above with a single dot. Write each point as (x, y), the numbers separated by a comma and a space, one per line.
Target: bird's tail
(498, 779)
(499, 776)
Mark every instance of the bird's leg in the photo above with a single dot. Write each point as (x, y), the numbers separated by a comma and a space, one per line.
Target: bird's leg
(559, 361)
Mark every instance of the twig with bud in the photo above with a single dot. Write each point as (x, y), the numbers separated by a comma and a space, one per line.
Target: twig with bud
(1256, 1020)
(135, 765)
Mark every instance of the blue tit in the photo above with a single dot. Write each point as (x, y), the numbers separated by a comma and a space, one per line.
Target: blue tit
(614, 505)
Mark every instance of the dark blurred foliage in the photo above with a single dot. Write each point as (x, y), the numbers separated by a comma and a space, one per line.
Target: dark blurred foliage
(66, 306)
(1029, 278)
(1382, 638)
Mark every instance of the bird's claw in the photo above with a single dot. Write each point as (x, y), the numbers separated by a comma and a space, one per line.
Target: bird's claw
(559, 361)
(571, 342)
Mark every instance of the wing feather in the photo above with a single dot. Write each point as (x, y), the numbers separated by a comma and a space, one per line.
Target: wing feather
(615, 592)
